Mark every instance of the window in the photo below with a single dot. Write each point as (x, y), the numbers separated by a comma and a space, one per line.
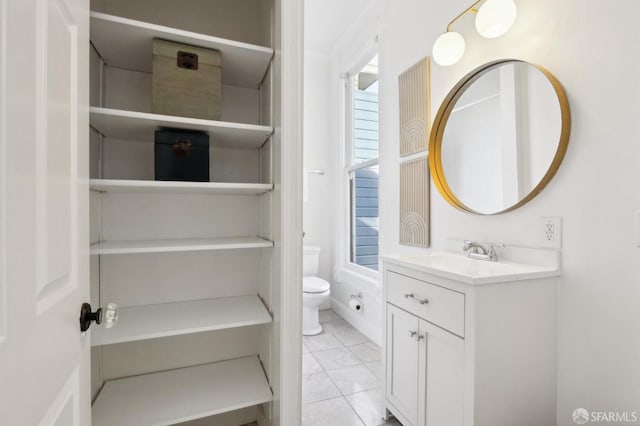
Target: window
(362, 165)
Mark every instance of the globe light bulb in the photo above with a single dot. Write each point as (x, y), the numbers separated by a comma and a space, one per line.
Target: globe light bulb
(495, 17)
(448, 48)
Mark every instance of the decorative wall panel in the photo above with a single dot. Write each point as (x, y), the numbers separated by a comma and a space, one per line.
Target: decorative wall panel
(414, 202)
(415, 114)
(415, 125)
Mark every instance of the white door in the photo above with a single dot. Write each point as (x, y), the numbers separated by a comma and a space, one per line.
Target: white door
(44, 359)
(402, 362)
(442, 369)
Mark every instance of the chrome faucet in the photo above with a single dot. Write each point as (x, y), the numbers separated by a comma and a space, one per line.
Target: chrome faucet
(477, 251)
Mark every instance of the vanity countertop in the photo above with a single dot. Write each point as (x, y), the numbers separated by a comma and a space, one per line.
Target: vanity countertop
(471, 271)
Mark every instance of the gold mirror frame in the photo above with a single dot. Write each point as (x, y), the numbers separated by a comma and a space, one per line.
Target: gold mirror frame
(440, 123)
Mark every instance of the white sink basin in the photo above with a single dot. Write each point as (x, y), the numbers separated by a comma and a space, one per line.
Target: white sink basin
(472, 271)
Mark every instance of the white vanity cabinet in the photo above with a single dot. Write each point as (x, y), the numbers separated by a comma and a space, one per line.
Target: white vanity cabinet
(475, 346)
(417, 350)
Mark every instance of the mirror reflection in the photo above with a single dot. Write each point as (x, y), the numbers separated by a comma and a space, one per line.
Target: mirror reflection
(501, 137)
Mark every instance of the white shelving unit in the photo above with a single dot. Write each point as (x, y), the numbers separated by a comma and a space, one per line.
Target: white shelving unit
(178, 245)
(170, 396)
(166, 187)
(126, 43)
(171, 319)
(141, 126)
(181, 395)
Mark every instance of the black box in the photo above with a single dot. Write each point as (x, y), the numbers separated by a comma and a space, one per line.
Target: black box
(182, 155)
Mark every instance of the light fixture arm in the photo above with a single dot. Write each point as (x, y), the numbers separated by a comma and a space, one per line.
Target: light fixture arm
(493, 19)
(471, 9)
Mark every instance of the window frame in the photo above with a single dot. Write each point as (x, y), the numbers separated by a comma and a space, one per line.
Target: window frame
(348, 268)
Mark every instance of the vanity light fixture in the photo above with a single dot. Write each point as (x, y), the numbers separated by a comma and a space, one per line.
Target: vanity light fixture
(493, 19)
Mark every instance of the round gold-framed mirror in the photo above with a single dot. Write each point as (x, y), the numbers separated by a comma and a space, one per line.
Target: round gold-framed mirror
(499, 137)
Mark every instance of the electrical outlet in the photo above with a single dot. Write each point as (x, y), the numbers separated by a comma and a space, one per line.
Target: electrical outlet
(551, 231)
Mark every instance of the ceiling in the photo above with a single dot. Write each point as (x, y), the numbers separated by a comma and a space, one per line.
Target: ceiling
(327, 20)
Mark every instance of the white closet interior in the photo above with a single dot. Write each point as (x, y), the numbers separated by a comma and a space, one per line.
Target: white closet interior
(190, 264)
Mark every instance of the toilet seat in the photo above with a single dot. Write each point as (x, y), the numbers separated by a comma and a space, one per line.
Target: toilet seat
(314, 285)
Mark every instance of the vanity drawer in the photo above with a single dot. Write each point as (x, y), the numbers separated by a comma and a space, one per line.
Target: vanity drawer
(436, 304)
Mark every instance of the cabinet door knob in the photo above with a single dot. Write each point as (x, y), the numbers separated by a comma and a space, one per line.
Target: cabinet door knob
(420, 337)
(412, 333)
(108, 316)
(411, 297)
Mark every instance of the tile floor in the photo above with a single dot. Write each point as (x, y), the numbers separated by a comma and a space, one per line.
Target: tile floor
(341, 377)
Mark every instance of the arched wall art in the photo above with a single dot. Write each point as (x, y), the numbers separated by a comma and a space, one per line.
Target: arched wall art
(415, 125)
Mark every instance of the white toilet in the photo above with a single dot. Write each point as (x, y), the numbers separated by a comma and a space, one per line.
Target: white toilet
(316, 290)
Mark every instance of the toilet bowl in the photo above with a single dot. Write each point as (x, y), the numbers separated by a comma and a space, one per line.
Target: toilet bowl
(315, 291)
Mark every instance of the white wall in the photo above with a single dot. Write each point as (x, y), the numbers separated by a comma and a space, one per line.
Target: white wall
(357, 44)
(596, 189)
(592, 51)
(317, 156)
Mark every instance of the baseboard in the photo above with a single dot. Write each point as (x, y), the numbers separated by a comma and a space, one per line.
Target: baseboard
(357, 321)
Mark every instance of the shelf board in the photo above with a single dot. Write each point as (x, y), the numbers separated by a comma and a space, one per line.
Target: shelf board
(177, 245)
(141, 126)
(175, 396)
(127, 43)
(171, 319)
(171, 187)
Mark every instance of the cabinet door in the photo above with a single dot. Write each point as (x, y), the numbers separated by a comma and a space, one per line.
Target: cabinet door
(442, 362)
(402, 362)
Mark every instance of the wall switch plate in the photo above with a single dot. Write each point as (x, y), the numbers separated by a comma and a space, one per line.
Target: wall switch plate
(551, 231)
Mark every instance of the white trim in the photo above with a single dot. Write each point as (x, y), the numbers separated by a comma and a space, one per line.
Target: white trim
(292, 39)
(347, 125)
(358, 275)
(344, 218)
(357, 321)
(414, 156)
(364, 165)
(344, 264)
(3, 169)
(367, 52)
(341, 241)
(365, 56)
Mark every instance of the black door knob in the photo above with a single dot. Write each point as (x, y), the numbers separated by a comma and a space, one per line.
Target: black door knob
(109, 316)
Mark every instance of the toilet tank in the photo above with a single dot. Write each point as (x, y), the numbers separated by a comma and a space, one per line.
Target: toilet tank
(310, 260)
